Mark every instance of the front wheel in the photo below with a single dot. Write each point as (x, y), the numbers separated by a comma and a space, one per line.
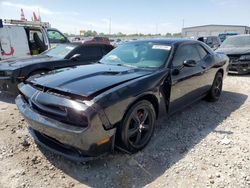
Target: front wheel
(216, 89)
(137, 126)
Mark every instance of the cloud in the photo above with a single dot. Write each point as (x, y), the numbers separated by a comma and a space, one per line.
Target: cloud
(32, 8)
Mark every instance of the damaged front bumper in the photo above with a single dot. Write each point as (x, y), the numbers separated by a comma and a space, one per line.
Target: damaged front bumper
(73, 142)
(239, 67)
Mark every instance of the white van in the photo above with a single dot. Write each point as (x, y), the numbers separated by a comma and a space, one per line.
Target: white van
(23, 38)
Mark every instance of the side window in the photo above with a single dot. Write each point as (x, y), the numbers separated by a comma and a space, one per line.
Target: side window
(186, 52)
(203, 53)
(56, 37)
(98, 39)
(218, 40)
(214, 40)
(210, 40)
(35, 32)
(106, 50)
(90, 53)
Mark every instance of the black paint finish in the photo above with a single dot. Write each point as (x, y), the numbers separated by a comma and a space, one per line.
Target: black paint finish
(102, 94)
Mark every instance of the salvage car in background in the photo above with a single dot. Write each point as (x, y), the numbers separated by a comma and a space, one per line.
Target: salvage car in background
(97, 40)
(212, 41)
(238, 50)
(83, 112)
(224, 36)
(16, 70)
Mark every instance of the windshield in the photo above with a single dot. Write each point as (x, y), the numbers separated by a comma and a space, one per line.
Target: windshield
(223, 36)
(236, 42)
(59, 51)
(138, 55)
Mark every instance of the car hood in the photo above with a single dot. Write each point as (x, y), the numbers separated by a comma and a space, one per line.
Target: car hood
(15, 63)
(233, 51)
(88, 80)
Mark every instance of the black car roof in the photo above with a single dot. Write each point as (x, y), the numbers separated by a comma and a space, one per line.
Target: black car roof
(89, 44)
(167, 41)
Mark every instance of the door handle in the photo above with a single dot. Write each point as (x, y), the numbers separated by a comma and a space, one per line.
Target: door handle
(204, 66)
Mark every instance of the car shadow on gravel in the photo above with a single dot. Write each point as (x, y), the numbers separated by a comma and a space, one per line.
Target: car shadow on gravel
(7, 98)
(174, 137)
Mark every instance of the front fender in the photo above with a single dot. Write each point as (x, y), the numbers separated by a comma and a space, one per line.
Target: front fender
(116, 102)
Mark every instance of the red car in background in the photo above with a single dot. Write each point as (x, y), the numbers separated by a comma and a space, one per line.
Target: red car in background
(99, 40)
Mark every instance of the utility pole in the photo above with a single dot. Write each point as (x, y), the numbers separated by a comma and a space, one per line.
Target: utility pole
(156, 29)
(183, 23)
(110, 26)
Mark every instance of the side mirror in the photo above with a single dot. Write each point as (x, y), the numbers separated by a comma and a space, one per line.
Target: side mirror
(75, 57)
(189, 63)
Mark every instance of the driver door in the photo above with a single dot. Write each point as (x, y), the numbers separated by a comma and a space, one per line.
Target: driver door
(186, 82)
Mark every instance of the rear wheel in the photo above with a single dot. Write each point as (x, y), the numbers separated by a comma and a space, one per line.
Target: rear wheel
(137, 127)
(216, 89)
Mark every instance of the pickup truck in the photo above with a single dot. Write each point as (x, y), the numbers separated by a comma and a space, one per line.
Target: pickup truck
(23, 38)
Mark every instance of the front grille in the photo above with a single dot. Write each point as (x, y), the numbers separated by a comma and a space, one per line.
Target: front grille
(234, 58)
(63, 115)
(58, 112)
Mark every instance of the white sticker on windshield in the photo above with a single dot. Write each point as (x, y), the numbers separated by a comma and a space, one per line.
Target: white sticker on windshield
(161, 47)
(69, 47)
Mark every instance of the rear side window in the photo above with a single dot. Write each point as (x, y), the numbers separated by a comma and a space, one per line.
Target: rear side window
(90, 52)
(185, 52)
(39, 34)
(209, 40)
(215, 40)
(98, 39)
(203, 53)
(93, 51)
(106, 49)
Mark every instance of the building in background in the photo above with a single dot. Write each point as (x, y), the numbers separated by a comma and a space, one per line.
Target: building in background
(213, 30)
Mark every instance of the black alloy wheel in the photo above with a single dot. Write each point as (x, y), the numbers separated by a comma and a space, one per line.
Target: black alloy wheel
(216, 89)
(138, 126)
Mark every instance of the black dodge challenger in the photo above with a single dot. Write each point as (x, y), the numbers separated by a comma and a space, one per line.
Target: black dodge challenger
(14, 71)
(84, 112)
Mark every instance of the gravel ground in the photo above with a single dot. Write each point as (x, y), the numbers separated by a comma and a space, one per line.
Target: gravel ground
(205, 145)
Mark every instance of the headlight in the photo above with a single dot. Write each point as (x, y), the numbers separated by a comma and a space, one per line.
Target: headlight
(8, 73)
(245, 57)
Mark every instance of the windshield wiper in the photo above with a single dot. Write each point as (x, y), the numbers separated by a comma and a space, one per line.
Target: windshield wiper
(126, 65)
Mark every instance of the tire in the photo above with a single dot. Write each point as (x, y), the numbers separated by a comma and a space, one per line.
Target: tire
(216, 89)
(137, 126)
